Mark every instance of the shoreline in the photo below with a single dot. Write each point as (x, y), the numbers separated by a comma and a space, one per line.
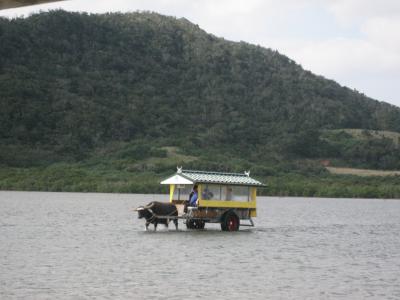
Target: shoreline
(166, 195)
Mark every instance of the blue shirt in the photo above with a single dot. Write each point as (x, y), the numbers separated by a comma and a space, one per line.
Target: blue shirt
(193, 200)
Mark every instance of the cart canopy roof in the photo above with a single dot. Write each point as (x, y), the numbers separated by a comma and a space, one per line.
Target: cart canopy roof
(192, 177)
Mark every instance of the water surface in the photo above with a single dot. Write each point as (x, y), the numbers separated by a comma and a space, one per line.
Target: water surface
(81, 246)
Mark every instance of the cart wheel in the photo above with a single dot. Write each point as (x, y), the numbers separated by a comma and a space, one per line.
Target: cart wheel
(190, 224)
(195, 224)
(230, 222)
(223, 228)
(200, 224)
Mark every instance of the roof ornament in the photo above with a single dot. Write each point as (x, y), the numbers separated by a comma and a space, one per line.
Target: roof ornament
(247, 173)
(178, 169)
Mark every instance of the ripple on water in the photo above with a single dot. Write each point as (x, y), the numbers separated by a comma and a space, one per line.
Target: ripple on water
(60, 245)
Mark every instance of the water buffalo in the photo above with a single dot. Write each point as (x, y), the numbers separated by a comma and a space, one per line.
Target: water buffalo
(153, 210)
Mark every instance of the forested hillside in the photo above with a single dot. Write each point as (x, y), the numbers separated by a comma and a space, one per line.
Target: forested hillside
(119, 91)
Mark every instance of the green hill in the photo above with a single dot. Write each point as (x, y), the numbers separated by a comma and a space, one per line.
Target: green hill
(97, 102)
(362, 148)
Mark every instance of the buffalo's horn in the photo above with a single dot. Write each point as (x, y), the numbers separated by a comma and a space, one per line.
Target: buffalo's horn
(150, 206)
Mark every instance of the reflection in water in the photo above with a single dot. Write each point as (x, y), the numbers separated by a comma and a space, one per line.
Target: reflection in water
(71, 245)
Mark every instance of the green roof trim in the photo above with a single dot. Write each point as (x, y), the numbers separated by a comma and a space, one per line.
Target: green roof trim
(220, 177)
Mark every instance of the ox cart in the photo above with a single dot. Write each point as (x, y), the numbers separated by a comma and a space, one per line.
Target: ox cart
(225, 198)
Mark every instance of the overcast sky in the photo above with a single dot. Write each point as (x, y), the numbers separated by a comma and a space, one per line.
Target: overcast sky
(354, 42)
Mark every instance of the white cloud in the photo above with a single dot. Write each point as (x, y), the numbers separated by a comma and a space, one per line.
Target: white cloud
(350, 11)
(339, 55)
(369, 62)
(384, 32)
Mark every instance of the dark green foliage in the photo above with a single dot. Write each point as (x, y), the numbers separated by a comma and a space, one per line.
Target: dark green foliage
(365, 152)
(333, 186)
(112, 177)
(139, 152)
(112, 90)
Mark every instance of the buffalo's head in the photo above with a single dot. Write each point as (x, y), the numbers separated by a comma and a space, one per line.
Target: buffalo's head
(143, 212)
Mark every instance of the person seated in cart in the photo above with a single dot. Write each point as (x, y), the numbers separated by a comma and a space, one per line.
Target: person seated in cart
(207, 194)
(194, 195)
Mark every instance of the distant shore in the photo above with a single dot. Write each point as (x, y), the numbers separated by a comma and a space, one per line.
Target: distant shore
(69, 178)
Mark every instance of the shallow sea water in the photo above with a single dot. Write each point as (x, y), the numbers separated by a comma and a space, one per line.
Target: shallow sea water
(86, 246)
